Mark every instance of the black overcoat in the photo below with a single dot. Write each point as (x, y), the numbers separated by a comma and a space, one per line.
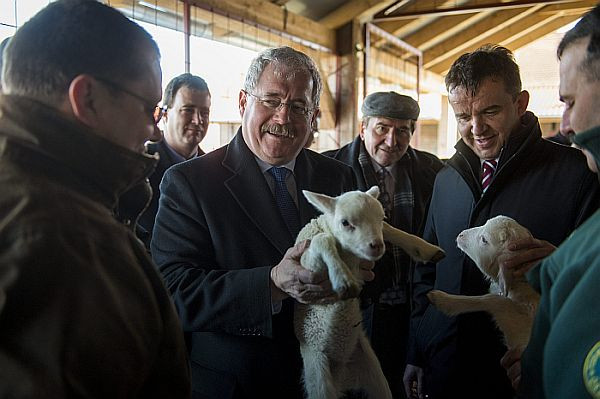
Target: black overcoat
(217, 235)
(547, 188)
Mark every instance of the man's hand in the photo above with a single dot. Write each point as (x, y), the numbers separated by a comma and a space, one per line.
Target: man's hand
(511, 361)
(366, 270)
(523, 254)
(290, 279)
(413, 382)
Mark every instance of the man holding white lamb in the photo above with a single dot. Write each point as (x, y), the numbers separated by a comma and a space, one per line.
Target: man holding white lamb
(225, 230)
(381, 155)
(502, 166)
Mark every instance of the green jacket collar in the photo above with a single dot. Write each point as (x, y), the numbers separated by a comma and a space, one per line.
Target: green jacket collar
(590, 140)
(33, 133)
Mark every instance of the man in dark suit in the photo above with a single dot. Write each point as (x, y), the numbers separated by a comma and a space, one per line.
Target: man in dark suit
(187, 115)
(225, 230)
(381, 155)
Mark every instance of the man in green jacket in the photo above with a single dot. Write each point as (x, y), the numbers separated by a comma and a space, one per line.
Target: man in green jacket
(562, 359)
(83, 312)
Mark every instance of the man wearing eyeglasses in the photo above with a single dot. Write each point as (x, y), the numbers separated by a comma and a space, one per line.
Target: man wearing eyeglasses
(225, 231)
(381, 155)
(83, 312)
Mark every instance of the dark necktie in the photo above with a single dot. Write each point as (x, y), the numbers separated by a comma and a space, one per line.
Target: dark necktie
(488, 169)
(384, 196)
(284, 200)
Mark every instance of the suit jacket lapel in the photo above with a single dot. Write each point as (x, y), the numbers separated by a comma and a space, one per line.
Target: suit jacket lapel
(251, 191)
(303, 172)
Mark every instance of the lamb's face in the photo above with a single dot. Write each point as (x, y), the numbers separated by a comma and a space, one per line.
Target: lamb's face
(485, 243)
(357, 224)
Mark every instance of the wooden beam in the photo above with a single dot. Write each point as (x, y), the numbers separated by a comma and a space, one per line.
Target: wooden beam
(459, 42)
(362, 9)
(440, 30)
(514, 43)
(512, 31)
(424, 8)
(398, 28)
(262, 12)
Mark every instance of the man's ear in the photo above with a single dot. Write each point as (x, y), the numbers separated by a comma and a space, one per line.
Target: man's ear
(242, 100)
(363, 126)
(522, 102)
(83, 93)
(314, 124)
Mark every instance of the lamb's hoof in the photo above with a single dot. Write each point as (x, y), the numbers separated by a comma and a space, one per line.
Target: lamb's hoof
(439, 255)
(441, 301)
(434, 296)
(352, 290)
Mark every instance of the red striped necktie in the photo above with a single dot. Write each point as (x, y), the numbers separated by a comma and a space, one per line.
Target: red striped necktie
(488, 169)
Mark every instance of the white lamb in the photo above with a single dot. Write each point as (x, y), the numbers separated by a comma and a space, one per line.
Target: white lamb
(336, 353)
(512, 301)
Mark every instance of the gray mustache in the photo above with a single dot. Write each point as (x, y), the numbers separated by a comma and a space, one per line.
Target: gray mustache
(277, 129)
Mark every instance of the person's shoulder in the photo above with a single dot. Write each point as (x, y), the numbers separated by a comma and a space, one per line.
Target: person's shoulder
(569, 159)
(429, 158)
(346, 153)
(197, 164)
(338, 152)
(323, 161)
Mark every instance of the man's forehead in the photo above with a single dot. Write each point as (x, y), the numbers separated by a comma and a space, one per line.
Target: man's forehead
(277, 73)
(189, 93)
(382, 120)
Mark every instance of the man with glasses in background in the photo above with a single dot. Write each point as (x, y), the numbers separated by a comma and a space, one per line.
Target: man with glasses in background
(83, 312)
(225, 231)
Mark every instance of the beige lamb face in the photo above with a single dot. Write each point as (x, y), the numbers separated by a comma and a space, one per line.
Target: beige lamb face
(355, 219)
(485, 243)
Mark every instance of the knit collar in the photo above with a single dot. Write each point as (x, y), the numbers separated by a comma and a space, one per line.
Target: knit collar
(590, 140)
(69, 152)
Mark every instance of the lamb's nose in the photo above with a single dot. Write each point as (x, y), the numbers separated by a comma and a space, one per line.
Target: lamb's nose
(376, 245)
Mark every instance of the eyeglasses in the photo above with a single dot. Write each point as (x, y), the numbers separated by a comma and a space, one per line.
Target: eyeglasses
(275, 104)
(156, 111)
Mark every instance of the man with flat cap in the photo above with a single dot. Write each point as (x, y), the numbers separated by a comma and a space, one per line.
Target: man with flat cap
(381, 155)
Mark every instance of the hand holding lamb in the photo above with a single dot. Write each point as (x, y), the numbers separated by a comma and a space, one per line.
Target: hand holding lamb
(336, 353)
(512, 301)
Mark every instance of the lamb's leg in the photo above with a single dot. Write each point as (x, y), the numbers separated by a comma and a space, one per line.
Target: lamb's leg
(417, 248)
(513, 319)
(363, 371)
(318, 382)
(323, 250)
(453, 305)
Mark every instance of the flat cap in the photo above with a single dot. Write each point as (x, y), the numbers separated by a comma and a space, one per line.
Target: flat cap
(390, 105)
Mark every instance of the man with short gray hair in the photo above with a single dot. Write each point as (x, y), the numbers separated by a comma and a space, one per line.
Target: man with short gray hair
(381, 155)
(225, 231)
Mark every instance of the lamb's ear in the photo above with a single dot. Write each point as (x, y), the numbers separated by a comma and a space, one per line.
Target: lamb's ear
(322, 202)
(373, 191)
(503, 235)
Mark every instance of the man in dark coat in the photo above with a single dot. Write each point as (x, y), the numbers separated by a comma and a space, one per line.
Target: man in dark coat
(523, 175)
(187, 115)
(381, 155)
(225, 230)
(83, 312)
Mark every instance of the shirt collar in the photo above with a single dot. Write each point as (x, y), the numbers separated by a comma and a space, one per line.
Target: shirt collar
(264, 166)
